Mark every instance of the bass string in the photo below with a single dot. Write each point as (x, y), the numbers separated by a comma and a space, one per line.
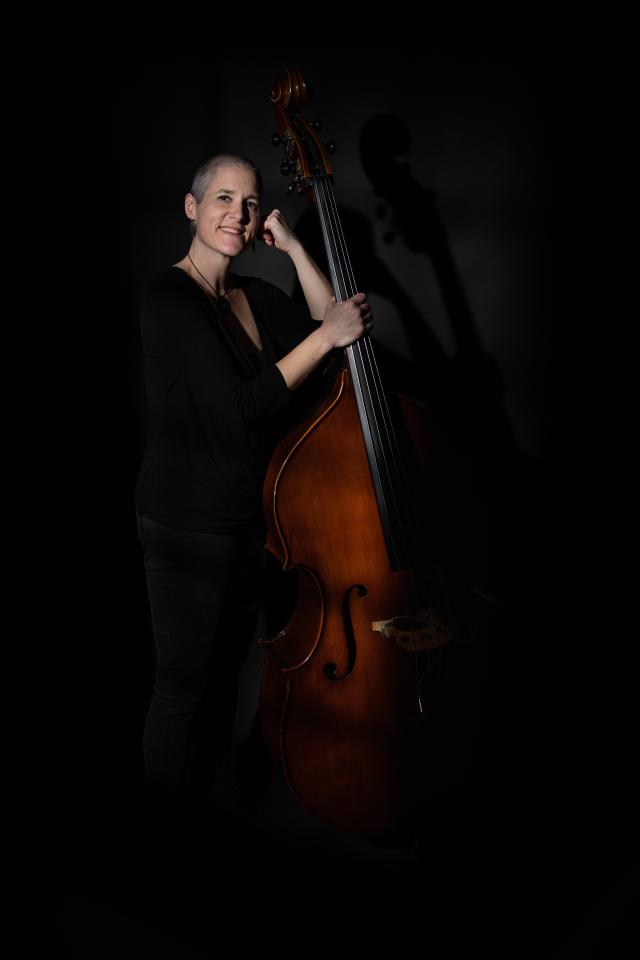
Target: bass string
(367, 369)
(363, 351)
(388, 441)
(363, 355)
(344, 285)
(401, 474)
(365, 389)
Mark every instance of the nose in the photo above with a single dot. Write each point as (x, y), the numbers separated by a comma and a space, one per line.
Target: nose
(239, 211)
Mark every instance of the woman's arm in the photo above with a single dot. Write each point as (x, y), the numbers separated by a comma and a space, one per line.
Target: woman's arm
(315, 286)
(342, 323)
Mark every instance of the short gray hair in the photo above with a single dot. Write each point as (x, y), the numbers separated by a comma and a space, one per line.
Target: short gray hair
(204, 174)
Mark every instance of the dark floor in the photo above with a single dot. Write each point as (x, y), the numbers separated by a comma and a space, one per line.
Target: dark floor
(477, 876)
(282, 874)
(523, 845)
(230, 875)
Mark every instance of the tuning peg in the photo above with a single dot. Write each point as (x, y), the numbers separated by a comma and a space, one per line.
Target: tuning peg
(286, 168)
(330, 146)
(276, 139)
(290, 188)
(316, 124)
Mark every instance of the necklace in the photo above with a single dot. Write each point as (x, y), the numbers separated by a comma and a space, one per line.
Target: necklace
(221, 298)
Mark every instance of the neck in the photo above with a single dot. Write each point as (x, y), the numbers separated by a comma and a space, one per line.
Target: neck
(212, 276)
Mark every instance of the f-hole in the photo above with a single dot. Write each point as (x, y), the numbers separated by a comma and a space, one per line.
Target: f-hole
(330, 668)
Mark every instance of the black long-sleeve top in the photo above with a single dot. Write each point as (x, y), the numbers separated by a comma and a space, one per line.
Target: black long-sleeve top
(215, 407)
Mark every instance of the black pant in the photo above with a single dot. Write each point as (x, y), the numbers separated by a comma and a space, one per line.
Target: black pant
(204, 591)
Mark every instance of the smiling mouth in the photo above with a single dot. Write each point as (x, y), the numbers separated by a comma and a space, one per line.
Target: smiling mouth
(236, 233)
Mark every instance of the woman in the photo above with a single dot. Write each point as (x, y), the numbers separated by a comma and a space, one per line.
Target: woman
(223, 354)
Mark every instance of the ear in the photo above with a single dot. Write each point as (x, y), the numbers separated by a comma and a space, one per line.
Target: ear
(190, 206)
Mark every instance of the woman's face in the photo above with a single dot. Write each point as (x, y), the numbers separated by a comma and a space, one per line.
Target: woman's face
(229, 214)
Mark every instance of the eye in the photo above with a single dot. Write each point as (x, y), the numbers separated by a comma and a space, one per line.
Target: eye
(224, 196)
(253, 204)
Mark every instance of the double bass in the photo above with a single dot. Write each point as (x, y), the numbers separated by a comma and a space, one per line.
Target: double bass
(344, 681)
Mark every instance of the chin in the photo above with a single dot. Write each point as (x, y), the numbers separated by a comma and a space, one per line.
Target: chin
(233, 246)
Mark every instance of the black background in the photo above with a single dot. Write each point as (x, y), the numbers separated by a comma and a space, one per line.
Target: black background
(488, 134)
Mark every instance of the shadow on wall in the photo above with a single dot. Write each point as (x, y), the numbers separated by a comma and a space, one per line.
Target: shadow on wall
(484, 506)
(486, 488)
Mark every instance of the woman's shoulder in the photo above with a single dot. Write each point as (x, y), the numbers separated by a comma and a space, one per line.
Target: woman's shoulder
(167, 278)
(168, 288)
(171, 301)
